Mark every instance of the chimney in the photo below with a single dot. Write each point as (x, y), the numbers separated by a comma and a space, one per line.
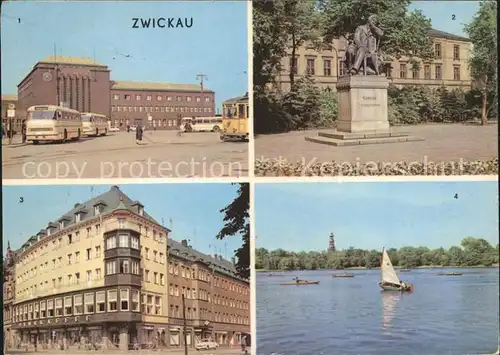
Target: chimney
(216, 256)
(233, 260)
(76, 205)
(220, 257)
(184, 243)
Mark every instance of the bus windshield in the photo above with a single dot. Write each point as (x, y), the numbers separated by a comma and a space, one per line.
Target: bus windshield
(86, 118)
(42, 115)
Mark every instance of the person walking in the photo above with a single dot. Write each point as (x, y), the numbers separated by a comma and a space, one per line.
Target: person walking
(243, 343)
(138, 135)
(23, 131)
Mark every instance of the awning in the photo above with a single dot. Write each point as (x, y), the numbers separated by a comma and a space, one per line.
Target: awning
(220, 332)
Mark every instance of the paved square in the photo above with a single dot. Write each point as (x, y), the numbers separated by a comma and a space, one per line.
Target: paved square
(442, 143)
(162, 154)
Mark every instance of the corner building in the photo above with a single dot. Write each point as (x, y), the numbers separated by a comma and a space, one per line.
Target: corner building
(106, 272)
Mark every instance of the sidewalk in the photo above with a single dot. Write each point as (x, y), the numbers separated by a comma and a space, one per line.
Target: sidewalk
(166, 351)
(16, 141)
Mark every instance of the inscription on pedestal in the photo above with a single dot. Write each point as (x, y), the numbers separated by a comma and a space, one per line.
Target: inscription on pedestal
(368, 98)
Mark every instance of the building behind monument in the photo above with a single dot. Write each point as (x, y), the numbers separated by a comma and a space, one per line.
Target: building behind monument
(450, 67)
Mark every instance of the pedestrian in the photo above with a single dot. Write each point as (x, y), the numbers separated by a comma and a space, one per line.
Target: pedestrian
(243, 343)
(23, 131)
(138, 135)
(128, 128)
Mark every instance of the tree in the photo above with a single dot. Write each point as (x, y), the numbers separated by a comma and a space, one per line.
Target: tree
(236, 221)
(301, 24)
(269, 42)
(405, 33)
(482, 31)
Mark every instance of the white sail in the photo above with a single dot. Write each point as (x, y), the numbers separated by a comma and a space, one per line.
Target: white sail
(387, 272)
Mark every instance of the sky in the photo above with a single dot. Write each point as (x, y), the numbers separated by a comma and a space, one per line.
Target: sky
(300, 216)
(216, 44)
(441, 14)
(193, 208)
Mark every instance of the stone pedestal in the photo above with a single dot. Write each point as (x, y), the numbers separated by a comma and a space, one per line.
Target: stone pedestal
(363, 114)
(362, 101)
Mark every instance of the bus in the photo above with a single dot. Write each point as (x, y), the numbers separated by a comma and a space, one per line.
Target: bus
(201, 124)
(235, 119)
(53, 123)
(94, 124)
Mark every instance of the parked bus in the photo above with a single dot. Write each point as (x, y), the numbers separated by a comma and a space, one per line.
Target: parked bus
(53, 123)
(235, 119)
(201, 124)
(94, 124)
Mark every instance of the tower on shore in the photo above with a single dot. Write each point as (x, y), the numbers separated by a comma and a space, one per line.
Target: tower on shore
(331, 243)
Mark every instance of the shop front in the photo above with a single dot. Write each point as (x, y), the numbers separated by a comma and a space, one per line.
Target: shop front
(175, 337)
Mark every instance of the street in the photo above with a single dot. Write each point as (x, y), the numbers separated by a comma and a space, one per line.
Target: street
(162, 154)
(220, 351)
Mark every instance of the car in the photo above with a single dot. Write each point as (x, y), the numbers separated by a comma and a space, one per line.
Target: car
(206, 344)
(114, 129)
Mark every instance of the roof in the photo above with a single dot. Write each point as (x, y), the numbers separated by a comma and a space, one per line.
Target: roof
(220, 264)
(53, 108)
(135, 85)
(237, 99)
(65, 59)
(441, 34)
(9, 97)
(110, 201)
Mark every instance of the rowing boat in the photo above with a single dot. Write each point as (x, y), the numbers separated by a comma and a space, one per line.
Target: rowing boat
(342, 275)
(300, 283)
(449, 274)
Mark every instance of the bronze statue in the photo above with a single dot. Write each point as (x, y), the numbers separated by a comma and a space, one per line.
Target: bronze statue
(361, 53)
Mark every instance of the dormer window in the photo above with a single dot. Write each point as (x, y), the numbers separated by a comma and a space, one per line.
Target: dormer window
(78, 217)
(61, 225)
(48, 231)
(97, 210)
(141, 211)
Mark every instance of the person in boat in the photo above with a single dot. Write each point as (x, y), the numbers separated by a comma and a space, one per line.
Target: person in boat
(403, 285)
(297, 279)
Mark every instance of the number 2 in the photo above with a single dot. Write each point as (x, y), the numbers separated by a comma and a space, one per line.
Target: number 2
(453, 17)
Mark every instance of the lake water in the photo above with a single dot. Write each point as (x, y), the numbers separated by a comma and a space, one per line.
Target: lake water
(452, 315)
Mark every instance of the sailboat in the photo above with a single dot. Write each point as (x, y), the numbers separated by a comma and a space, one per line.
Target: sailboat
(389, 280)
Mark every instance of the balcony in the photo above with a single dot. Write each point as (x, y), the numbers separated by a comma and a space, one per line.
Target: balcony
(122, 252)
(122, 279)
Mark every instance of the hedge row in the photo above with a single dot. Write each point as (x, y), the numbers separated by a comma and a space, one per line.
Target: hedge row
(267, 167)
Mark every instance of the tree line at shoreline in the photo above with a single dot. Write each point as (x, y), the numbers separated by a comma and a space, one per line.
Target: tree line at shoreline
(472, 252)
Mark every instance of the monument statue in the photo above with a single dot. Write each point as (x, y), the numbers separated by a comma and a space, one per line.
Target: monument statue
(361, 55)
(362, 95)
